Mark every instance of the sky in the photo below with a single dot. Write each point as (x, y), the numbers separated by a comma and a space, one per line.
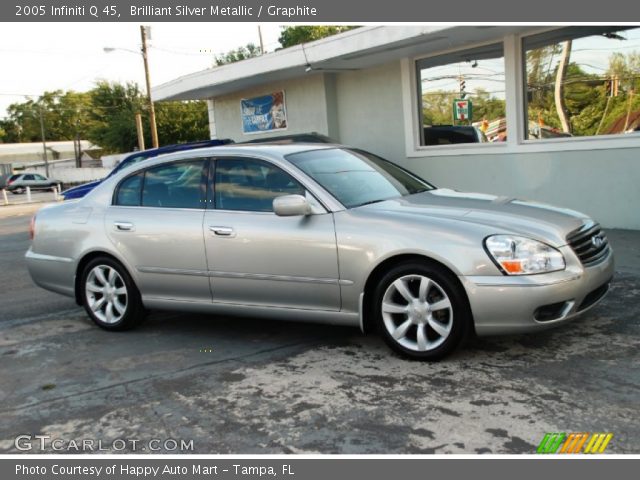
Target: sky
(38, 57)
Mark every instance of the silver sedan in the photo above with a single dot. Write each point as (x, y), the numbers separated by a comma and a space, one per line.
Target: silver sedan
(322, 234)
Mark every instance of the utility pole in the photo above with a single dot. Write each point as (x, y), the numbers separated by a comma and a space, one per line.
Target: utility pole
(44, 142)
(261, 42)
(140, 132)
(152, 111)
(561, 108)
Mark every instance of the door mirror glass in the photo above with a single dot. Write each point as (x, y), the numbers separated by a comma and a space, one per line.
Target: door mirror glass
(291, 206)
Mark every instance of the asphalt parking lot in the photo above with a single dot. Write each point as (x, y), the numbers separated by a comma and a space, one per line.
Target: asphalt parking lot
(238, 386)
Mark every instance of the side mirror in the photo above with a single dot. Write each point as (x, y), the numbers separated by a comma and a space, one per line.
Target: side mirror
(291, 206)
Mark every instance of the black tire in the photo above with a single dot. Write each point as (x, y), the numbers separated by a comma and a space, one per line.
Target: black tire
(442, 288)
(133, 313)
(18, 190)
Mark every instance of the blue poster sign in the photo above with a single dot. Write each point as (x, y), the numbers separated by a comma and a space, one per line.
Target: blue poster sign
(263, 114)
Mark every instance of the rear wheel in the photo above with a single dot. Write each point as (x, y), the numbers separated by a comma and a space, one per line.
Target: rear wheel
(18, 190)
(421, 311)
(110, 296)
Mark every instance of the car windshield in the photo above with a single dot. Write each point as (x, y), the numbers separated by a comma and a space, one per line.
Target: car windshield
(355, 177)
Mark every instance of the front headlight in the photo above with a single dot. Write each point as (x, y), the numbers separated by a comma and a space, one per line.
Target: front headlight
(523, 256)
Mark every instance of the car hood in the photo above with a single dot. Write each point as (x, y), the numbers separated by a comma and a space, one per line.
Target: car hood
(502, 214)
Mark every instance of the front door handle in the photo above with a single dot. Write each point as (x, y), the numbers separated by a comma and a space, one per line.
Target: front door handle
(222, 231)
(123, 226)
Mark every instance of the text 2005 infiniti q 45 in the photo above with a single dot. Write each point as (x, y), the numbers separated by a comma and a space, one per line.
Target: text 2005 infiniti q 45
(318, 233)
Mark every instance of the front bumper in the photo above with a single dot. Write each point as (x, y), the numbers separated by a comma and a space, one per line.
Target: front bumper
(520, 304)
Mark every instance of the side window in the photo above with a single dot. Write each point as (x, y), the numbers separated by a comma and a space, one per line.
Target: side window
(177, 185)
(251, 185)
(39, 177)
(129, 191)
(28, 178)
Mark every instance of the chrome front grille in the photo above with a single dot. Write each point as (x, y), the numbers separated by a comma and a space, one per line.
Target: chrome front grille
(589, 243)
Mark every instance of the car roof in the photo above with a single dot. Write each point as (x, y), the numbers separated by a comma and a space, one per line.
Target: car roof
(282, 140)
(292, 138)
(177, 147)
(275, 151)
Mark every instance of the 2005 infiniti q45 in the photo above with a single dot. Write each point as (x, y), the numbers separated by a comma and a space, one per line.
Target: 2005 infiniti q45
(318, 233)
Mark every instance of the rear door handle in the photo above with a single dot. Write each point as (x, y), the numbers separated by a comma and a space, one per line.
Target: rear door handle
(123, 226)
(222, 231)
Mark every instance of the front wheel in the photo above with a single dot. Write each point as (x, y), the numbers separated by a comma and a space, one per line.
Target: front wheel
(421, 311)
(110, 296)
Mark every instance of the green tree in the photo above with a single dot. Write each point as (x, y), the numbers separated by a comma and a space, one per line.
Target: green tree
(64, 115)
(9, 132)
(112, 115)
(486, 106)
(181, 122)
(113, 118)
(241, 53)
(437, 107)
(290, 36)
(105, 115)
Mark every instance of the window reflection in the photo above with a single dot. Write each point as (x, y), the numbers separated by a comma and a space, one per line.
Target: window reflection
(463, 97)
(582, 81)
(251, 185)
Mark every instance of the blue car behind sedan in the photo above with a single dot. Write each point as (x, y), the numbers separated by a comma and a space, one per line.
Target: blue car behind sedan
(81, 190)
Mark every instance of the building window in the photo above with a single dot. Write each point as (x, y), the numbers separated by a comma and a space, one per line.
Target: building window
(462, 97)
(582, 81)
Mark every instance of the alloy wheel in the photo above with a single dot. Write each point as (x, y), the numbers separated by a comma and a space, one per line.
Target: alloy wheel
(417, 313)
(106, 294)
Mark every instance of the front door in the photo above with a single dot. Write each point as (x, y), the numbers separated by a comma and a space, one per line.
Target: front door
(258, 258)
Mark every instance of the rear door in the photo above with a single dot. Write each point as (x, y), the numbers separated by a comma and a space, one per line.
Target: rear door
(155, 222)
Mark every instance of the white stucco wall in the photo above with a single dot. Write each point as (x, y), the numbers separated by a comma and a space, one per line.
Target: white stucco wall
(369, 104)
(305, 101)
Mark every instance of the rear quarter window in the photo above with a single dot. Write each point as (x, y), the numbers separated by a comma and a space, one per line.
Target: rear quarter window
(128, 193)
